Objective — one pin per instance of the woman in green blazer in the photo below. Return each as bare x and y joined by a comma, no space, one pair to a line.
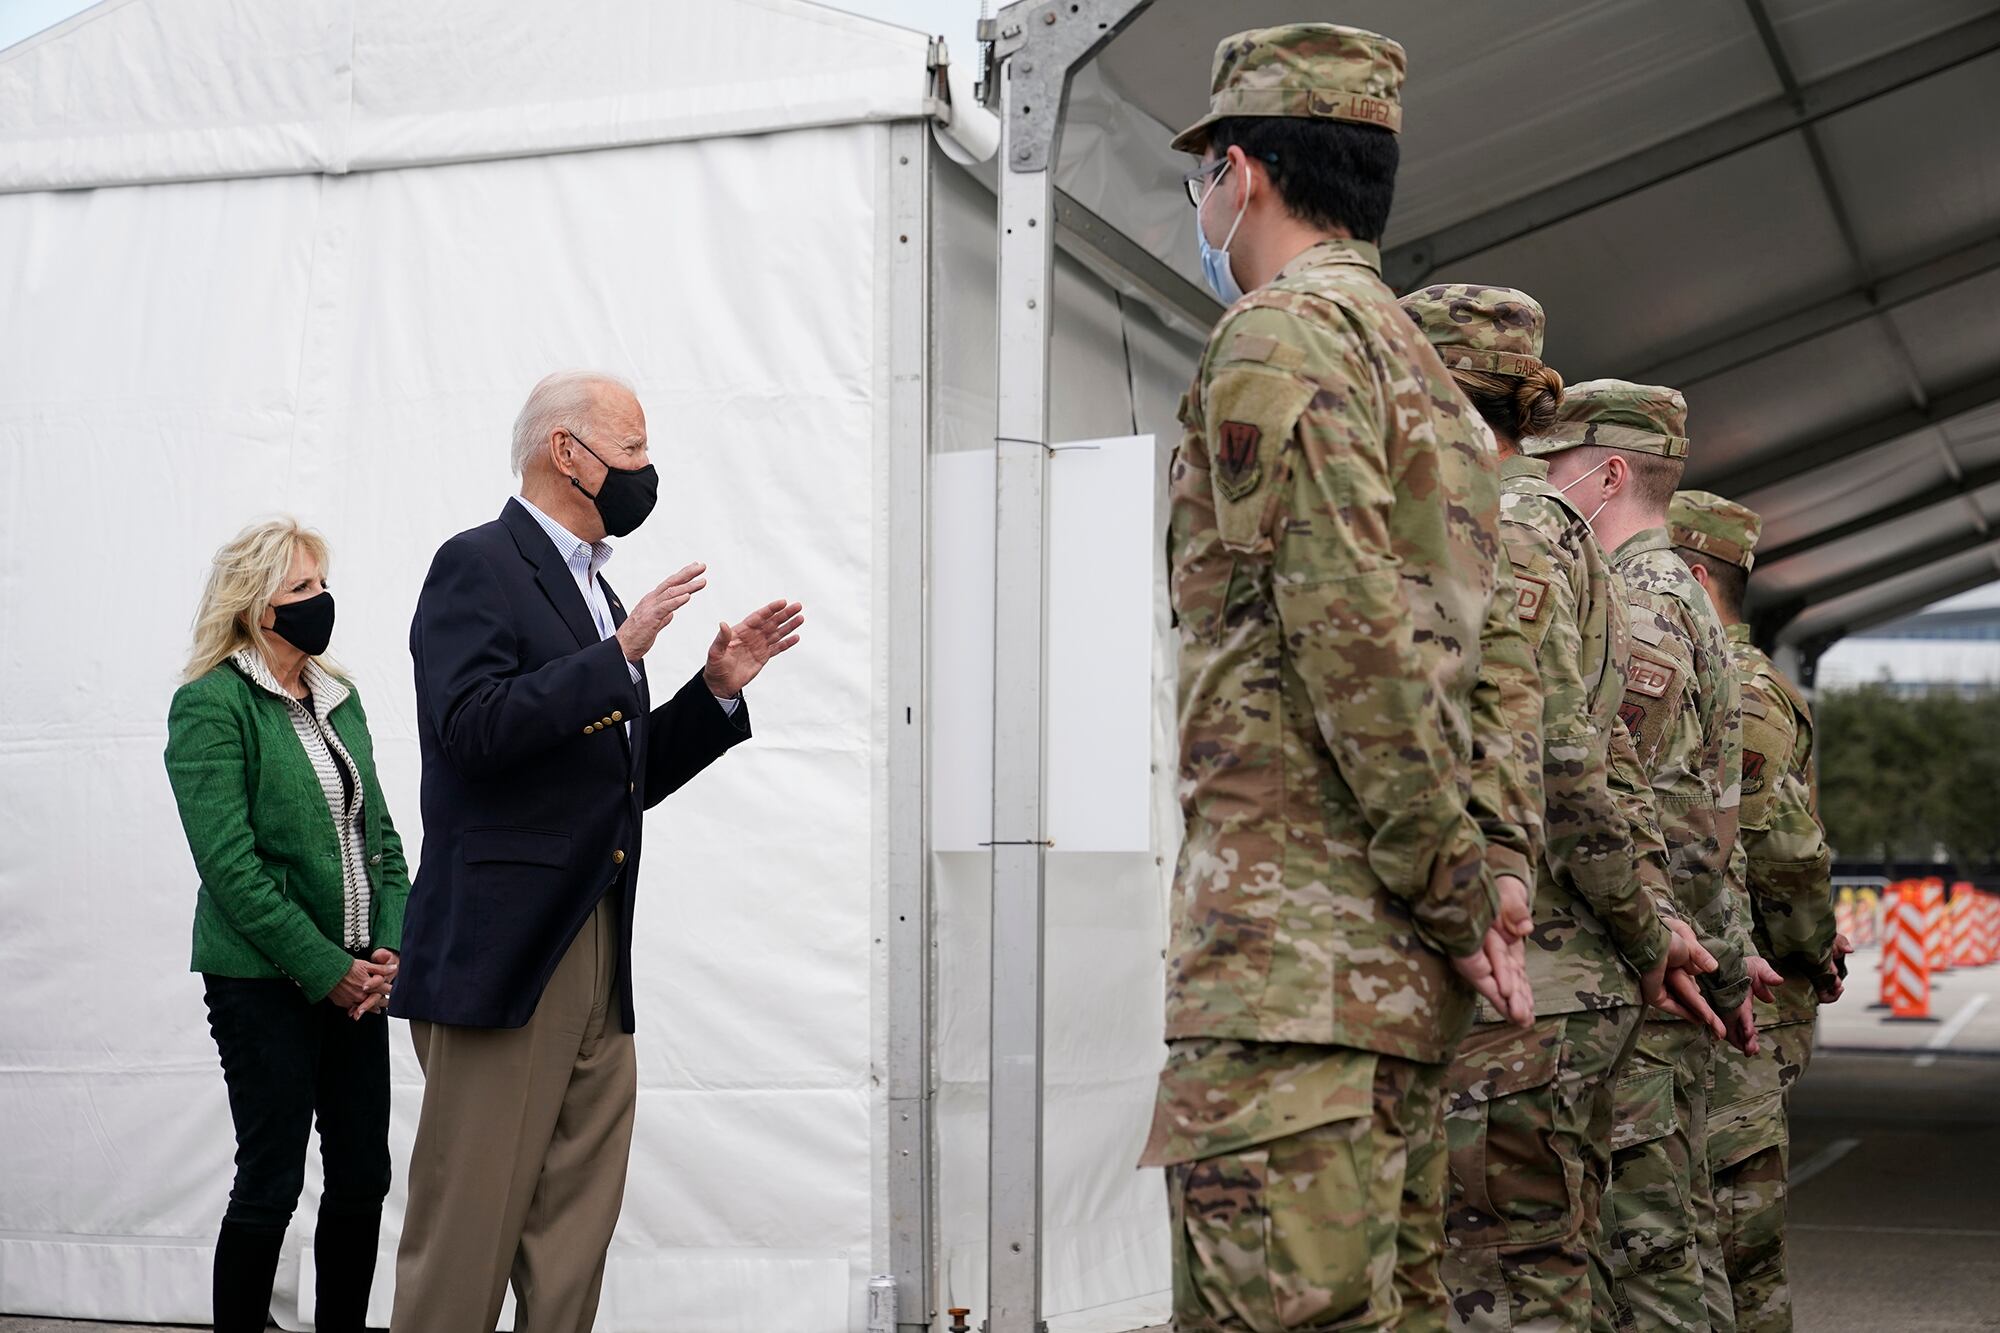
298,920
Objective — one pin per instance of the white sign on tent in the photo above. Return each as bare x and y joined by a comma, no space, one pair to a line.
1100,646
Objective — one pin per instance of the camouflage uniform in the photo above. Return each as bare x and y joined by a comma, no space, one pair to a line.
1333,543
1681,709
1529,1113
1783,857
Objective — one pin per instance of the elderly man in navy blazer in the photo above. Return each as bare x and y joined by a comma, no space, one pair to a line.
542,748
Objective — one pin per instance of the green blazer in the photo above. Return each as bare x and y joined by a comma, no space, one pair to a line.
272,896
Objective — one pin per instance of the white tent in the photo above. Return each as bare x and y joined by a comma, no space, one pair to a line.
309,257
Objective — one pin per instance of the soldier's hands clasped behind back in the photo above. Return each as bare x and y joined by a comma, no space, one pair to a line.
1672,986
1499,971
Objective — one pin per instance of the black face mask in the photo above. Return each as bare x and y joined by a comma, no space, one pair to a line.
625,496
307,625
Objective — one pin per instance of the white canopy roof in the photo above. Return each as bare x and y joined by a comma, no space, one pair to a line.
131,92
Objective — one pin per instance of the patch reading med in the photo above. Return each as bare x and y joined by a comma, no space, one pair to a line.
1530,596
1650,676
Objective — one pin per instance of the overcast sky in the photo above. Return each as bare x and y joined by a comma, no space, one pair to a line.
25,18
954,20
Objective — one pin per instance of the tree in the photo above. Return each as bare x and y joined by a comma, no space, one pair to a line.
1901,775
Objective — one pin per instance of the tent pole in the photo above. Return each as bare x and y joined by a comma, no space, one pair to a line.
1014,1127
1036,48
909,931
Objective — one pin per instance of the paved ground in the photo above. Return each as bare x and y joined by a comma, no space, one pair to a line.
1896,1220
1965,1011
1895,1227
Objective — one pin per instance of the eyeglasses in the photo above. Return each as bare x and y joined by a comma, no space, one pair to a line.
1196,182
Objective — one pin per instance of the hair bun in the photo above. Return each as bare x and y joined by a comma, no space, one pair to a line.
1537,399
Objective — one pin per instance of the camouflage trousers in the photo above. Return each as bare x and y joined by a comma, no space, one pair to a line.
1660,1191
1749,1150
1528,1119
1337,1226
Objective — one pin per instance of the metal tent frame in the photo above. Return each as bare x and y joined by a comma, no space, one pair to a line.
1036,47
1036,50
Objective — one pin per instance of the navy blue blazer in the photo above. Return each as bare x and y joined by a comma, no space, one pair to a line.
532,793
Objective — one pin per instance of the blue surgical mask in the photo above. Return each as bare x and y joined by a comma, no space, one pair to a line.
1215,269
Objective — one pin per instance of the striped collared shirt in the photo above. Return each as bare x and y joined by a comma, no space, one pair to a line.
343,798
584,559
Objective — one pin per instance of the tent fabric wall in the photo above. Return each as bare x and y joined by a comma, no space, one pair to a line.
1115,371
133,91
325,290
182,358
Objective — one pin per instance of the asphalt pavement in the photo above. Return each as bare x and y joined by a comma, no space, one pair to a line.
1896,1193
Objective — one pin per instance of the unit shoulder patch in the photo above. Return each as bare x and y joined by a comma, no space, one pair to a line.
1251,411
1236,469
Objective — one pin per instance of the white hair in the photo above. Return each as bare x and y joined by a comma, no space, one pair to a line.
560,401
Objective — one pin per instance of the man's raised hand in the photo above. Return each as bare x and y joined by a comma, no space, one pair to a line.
740,651
655,611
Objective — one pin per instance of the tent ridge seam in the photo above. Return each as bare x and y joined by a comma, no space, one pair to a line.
344,163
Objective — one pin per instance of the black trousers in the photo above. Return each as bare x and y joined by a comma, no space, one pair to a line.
288,1062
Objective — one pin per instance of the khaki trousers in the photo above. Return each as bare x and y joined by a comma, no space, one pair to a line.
519,1166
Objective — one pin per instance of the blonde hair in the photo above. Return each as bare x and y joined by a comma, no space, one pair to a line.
246,575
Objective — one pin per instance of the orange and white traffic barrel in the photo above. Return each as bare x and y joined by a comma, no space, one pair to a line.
1906,974
1867,919
1937,925
1968,942
1847,914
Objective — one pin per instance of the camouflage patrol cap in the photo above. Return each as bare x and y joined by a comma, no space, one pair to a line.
1617,414
1480,328
1704,521
1309,70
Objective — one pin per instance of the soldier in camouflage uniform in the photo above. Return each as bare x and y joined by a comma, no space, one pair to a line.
1781,853
1333,543
1619,450
1529,1113
1506,801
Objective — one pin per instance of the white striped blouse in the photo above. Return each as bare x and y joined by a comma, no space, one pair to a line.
328,756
